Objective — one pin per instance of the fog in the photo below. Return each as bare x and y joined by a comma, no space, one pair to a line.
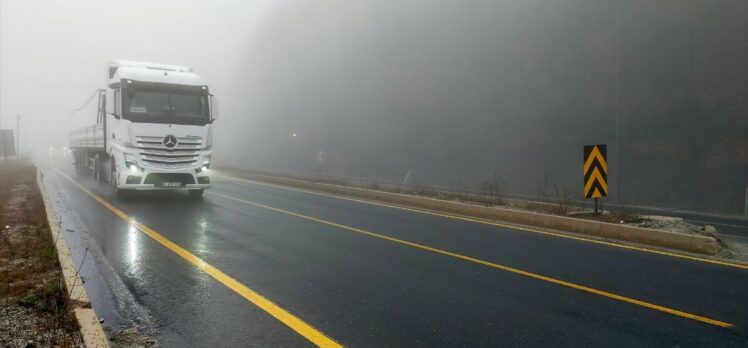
456,93
55,54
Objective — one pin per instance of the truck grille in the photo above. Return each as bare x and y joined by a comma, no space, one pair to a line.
184,155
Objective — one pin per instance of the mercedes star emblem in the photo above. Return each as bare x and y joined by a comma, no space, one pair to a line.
170,141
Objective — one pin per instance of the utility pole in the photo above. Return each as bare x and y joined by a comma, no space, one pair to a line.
18,136
1,69
618,160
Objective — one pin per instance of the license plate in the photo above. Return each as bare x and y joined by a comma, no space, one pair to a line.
171,184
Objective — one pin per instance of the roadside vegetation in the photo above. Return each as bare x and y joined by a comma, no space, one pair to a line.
33,302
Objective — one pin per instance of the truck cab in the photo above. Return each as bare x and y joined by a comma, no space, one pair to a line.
154,129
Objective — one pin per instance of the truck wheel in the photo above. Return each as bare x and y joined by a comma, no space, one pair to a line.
97,169
196,194
120,193
78,165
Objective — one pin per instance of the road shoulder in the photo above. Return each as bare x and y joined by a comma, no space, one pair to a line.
90,326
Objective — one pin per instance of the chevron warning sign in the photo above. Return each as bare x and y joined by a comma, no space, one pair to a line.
595,171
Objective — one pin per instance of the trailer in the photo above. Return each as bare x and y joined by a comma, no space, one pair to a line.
153,130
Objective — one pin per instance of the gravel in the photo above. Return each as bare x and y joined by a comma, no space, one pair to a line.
33,311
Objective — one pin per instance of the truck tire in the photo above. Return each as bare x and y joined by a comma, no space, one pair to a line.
97,169
196,194
120,193
77,162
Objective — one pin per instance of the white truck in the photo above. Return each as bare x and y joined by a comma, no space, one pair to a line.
153,130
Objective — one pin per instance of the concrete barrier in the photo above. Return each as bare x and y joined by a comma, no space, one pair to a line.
90,327
680,241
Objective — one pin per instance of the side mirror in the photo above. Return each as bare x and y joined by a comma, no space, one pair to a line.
117,104
213,108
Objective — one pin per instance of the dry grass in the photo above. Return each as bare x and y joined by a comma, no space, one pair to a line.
548,208
612,217
33,302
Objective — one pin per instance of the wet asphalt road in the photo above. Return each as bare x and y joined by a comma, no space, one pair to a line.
364,291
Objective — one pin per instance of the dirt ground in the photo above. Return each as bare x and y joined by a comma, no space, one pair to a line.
33,302
131,337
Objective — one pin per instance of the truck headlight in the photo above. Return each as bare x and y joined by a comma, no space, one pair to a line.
205,166
131,163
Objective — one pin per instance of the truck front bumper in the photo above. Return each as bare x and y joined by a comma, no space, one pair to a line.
164,180
156,187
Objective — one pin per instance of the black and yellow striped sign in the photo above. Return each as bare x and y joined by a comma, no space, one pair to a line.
595,171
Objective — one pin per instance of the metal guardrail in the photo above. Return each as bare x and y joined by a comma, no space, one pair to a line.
89,138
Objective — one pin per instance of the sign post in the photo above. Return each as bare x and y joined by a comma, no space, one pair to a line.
595,172
18,136
7,144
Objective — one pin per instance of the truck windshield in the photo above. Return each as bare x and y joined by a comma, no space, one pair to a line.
164,106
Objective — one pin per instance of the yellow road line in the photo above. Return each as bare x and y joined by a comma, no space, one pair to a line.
526,229
293,322
489,264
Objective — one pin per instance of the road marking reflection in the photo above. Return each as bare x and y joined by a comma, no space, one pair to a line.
309,332
489,264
